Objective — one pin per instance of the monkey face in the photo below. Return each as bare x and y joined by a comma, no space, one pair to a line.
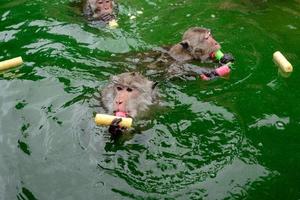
100,10
129,93
104,7
124,95
205,45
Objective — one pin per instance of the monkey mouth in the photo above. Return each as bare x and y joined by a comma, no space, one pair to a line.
121,114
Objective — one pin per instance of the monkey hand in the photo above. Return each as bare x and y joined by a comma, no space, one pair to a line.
107,17
115,129
227,58
206,76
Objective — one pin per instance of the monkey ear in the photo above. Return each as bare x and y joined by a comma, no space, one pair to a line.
154,85
185,44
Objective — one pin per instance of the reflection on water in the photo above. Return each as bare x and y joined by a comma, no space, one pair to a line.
212,140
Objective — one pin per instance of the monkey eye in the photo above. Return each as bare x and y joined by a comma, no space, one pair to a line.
119,88
129,90
207,36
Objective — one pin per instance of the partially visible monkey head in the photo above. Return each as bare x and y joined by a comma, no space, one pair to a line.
129,93
104,10
197,43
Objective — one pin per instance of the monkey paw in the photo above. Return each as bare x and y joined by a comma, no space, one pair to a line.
107,17
227,58
115,129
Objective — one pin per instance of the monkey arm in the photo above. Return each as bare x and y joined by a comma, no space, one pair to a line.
188,69
221,71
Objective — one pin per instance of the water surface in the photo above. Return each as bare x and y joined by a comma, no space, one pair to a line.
226,139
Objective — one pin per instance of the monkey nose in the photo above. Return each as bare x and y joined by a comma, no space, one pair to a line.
119,102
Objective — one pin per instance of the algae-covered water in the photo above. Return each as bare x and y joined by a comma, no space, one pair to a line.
236,138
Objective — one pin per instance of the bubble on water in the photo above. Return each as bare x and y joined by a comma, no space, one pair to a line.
4,16
132,17
280,125
291,27
212,175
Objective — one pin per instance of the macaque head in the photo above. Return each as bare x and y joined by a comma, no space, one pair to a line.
102,9
104,6
199,42
129,93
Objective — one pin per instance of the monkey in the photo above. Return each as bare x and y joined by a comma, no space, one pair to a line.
197,44
129,94
100,10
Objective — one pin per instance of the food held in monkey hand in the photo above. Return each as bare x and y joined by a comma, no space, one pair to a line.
113,24
107,120
282,62
221,57
218,72
7,64
223,70
216,55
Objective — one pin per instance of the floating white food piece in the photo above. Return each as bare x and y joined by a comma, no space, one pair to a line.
282,62
132,17
7,64
113,24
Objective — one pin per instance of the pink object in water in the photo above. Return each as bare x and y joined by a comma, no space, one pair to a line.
223,70
121,114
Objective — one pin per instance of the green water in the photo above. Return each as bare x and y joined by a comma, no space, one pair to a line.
226,139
